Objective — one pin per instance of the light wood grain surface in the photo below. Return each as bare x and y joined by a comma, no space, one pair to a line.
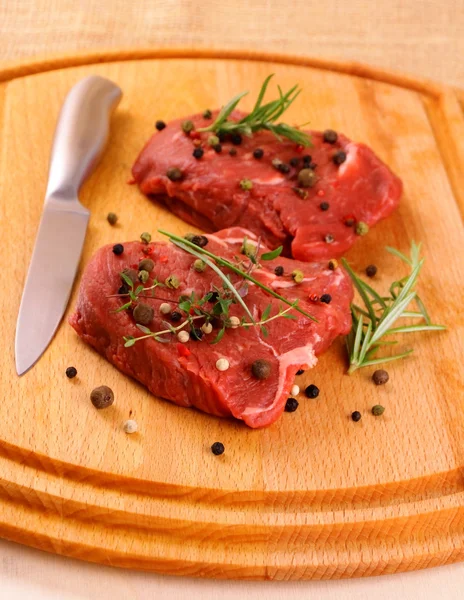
410,37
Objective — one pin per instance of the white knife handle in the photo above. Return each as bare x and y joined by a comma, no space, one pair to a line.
81,134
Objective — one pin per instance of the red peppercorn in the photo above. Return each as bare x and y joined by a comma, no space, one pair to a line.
194,135
299,148
183,350
314,298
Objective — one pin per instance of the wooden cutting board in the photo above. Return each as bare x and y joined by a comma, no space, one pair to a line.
315,495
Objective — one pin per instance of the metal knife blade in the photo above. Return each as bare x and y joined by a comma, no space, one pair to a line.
80,137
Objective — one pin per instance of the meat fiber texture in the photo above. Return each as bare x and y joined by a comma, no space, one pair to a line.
186,373
210,196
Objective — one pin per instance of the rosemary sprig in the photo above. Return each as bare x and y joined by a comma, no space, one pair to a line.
376,319
263,116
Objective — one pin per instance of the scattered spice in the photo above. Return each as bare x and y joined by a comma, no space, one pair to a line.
213,297
207,114
356,416
295,390
217,448
213,140
312,391
378,410
300,372
199,240
279,270
333,264
217,148
234,322
246,184
207,328
362,228
258,153
175,316
71,372
236,139
118,249
160,125
146,265
222,364
131,274
198,153
130,426
174,174
324,206
307,160
144,276
143,314
196,334
294,162
102,397
172,282
297,276
326,298
371,270
145,237
380,377
261,368
291,405
314,298
339,157
187,126
301,193
233,151
199,265
330,136
112,218
183,336
197,142
329,238
165,308
124,289
307,177
349,221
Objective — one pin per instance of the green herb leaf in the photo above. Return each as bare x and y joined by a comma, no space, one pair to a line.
264,331
266,312
130,341
138,290
142,328
123,307
219,336
271,255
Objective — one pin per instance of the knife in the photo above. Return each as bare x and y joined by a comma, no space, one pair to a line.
80,137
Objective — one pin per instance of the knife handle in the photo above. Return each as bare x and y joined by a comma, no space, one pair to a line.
81,134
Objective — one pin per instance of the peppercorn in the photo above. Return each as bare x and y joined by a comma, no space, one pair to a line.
234,322
213,140
324,206
217,448
118,249
300,372
222,364
380,377
279,270
246,184
361,228
187,126
371,270
197,143
207,114
71,372
326,298
199,265
314,298
233,151
102,397
307,160
301,193
329,238
356,416
213,297
165,308
258,153
307,177
146,265
130,426
175,316
123,289
349,222
196,334
160,125
131,274
248,249
297,276
330,136
145,237
333,264
261,368
294,162
172,282
339,157
198,153
312,391
283,168
174,174
236,139
217,148
143,276
291,405
207,328
112,218
378,410
183,336
143,314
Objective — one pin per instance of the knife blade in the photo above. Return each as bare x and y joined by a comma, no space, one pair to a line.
80,137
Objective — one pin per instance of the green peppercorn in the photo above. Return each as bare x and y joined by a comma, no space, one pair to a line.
199,265
300,192
143,314
102,397
213,140
361,228
378,410
131,274
112,218
146,265
307,178
187,126
145,237
172,282
297,276
248,249
174,174
261,368
207,114
143,276
246,184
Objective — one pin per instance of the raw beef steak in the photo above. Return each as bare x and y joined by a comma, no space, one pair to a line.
186,373
313,223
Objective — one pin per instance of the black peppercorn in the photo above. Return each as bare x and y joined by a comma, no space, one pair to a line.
217,148
118,249
312,391
356,416
261,368
102,397
300,372
217,448
233,151
124,289
198,153
349,222
324,206
222,136
175,316
160,125
283,168
279,270
236,139
307,158
196,334
330,136
294,162
291,405
213,297
143,314
326,298
199,240
174,174
371,270
339,157
71,372
258,153
380,377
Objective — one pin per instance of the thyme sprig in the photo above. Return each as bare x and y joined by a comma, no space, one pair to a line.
263,116
132,293
375,320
